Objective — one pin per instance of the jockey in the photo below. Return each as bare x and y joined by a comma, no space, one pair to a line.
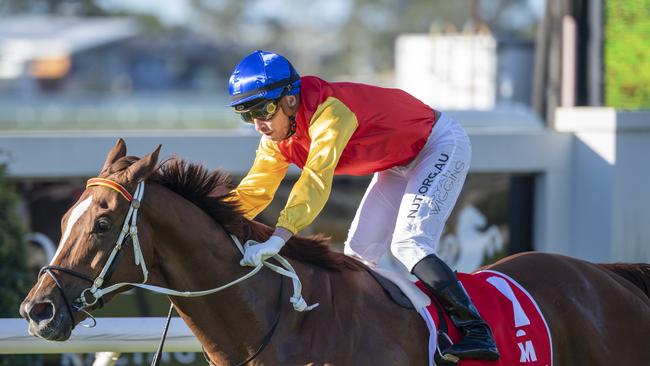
419,158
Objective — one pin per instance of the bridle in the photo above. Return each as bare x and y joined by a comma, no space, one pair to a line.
128,228
92,295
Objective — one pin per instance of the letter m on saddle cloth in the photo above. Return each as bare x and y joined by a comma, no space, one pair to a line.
520,330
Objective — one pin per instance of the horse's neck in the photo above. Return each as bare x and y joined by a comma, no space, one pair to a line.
194,253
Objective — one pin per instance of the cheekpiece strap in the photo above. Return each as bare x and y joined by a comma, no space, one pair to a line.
110,184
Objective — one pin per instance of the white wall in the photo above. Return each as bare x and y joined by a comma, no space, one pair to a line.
609,181
631,188
448,71
502,141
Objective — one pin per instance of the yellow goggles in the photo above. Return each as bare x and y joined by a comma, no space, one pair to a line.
264,110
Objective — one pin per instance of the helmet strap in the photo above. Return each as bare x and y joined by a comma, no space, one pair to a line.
292,127
291,113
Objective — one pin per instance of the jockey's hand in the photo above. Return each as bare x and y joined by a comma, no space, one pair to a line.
255,253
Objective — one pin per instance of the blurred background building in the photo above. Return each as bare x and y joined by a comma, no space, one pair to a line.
554,94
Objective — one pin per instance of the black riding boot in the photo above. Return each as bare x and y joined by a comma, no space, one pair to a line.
478,341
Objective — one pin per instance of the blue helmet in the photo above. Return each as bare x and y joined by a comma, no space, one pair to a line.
262,75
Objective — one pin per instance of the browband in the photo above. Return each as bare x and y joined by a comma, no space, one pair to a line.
110,184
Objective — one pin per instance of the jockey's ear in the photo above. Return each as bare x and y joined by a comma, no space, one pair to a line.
118,151
292,101
289,104
142,169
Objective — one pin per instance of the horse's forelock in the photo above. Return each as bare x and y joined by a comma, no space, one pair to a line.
119,166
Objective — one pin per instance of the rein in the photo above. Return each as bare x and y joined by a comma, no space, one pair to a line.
265,340
93,294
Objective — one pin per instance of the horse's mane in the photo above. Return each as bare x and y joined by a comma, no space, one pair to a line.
210,191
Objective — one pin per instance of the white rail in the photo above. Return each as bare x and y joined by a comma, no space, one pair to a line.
123,335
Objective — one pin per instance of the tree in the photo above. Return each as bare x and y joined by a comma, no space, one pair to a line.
14,281
627,55
14,278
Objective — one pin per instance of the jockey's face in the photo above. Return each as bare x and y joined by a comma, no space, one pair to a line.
275,129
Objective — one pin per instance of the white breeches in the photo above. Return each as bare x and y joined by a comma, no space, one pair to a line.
406,207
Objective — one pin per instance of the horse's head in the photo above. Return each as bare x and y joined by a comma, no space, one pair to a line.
87,251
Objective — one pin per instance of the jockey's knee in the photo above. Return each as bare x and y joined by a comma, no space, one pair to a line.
409,252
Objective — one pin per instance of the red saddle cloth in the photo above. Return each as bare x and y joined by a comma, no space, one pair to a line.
519,327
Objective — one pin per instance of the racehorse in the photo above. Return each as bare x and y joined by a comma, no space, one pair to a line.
597,314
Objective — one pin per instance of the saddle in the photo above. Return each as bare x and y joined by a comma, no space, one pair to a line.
519,327
402,291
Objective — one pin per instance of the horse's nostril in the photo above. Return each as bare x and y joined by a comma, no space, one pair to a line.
23,311
41,311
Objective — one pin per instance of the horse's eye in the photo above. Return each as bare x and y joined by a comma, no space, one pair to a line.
102,225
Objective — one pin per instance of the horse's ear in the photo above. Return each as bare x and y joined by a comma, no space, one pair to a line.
142,169
118,151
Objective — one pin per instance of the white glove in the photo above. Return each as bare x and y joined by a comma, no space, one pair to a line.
255,253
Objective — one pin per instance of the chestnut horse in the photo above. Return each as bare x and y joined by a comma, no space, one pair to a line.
597,314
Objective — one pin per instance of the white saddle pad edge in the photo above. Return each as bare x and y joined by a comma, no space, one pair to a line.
419,299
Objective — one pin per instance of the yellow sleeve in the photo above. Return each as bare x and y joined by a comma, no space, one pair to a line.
258,187
330,129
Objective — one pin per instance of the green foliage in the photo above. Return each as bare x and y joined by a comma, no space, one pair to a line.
627,54
14,281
